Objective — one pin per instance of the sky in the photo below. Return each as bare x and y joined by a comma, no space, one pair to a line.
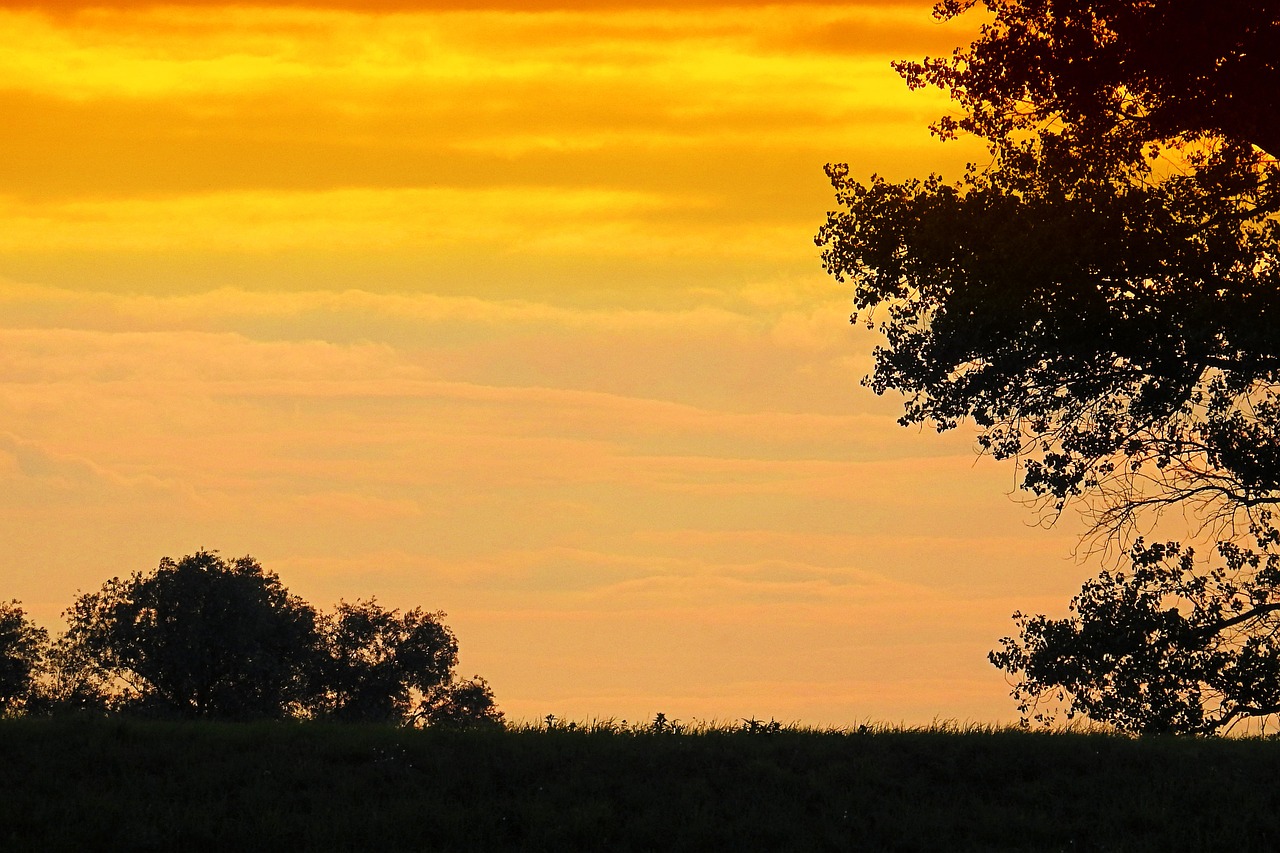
506,309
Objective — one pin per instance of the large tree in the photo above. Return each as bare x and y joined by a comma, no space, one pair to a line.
202,636
1102,299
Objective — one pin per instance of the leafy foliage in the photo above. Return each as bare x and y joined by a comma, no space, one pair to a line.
382,662
1097,316
200,637
1117,74
461,704
1101,301
206,637
23,646
1160,648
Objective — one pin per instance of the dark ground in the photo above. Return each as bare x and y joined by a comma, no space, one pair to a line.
93,784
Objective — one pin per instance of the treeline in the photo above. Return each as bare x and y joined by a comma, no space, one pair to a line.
207,637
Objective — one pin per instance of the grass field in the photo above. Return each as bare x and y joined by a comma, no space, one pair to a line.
94,784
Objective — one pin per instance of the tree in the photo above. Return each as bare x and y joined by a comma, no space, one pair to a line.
381,662
1106,317
1161,648
199,637
1101,301
1114,73
23,646
207,637
461,704
387,666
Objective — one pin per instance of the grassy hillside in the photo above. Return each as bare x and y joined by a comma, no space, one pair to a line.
95,785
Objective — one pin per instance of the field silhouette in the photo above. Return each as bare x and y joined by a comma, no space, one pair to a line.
93,783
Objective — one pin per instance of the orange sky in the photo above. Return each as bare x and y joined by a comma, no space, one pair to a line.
506,309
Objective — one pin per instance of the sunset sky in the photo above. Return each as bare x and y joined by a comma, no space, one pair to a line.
507,309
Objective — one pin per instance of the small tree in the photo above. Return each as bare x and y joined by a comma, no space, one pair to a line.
199,637
23,647
462,704
381,662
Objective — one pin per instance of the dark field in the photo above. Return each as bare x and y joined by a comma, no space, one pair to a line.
115,785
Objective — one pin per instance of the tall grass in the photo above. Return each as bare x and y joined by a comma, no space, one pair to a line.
97,784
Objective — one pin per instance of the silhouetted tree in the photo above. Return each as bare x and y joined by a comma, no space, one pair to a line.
1114,75
23,646
1102,300
200,637
1107,318
461,704
208,637
1161,647
382,662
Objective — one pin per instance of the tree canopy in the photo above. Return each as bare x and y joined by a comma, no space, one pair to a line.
203,636
22,650
1159,646
384,665
209,637
1102,299
1116,73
